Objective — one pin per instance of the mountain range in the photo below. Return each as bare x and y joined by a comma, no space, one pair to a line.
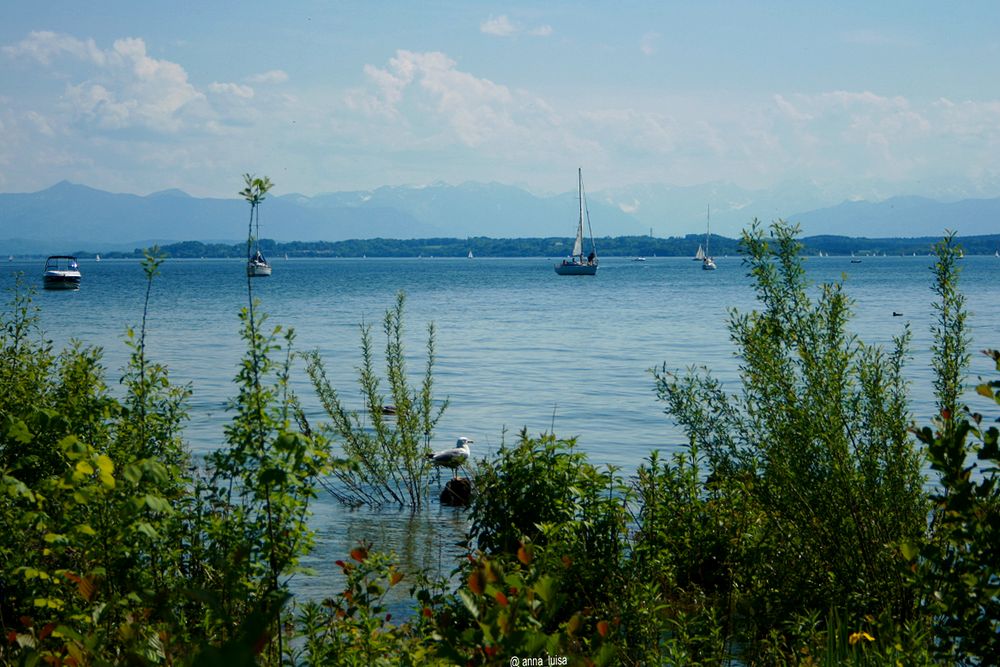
70,217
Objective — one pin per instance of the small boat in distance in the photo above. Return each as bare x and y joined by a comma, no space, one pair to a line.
576,264
255,191
257,266
470,255
61,272
700,255
97,258
707,263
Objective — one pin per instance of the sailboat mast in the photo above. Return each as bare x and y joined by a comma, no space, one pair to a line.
708,229
579,234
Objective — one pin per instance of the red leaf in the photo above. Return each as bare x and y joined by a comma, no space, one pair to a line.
476,583
523,555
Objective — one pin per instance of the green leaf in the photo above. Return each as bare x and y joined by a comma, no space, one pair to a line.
132,473
147,530
910,550
156,503
17,430
469,603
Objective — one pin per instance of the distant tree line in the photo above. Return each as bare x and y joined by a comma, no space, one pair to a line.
619,246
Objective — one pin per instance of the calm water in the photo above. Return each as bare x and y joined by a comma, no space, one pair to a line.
517,345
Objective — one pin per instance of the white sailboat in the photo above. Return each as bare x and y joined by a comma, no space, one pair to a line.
707,263
577,264
254,193
700,255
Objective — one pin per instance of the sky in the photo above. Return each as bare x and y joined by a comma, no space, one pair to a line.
859,99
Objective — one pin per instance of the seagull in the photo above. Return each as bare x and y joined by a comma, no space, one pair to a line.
452,458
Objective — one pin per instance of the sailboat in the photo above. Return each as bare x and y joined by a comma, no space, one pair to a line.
257,266
577,264
700,255
707,263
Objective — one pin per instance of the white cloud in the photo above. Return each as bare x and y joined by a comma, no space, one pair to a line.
789,110
123,87
499,26
233,89
44,47
502,26
474,108
271,77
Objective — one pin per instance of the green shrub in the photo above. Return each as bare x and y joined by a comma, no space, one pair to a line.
956,569
813,446
386,461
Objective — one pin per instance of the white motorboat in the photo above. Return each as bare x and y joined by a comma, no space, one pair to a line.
61,272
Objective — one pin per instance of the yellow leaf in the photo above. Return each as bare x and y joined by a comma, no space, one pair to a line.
106,465
84,468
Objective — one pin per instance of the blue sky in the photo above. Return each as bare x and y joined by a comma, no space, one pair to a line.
857,99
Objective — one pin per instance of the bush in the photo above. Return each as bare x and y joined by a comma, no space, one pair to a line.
386,462
814,448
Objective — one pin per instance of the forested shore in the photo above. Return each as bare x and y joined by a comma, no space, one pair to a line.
620,246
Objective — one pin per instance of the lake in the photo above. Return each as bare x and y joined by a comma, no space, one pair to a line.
517,346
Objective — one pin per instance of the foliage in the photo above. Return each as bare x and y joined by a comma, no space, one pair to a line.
355,627
87,483
386,462
814,448
957,568
113,551
780,536
548,523
680,583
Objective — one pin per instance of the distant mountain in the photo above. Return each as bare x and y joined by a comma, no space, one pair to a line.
909,216
68,217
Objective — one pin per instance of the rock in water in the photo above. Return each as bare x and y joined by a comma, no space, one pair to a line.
457,492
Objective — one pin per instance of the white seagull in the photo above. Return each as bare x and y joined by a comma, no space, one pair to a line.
452,458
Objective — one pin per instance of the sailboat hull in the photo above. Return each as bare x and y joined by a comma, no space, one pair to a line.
575,269
256,270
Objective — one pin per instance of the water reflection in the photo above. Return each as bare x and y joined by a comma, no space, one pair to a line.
427,540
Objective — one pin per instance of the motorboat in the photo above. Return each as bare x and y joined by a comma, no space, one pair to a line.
61,272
